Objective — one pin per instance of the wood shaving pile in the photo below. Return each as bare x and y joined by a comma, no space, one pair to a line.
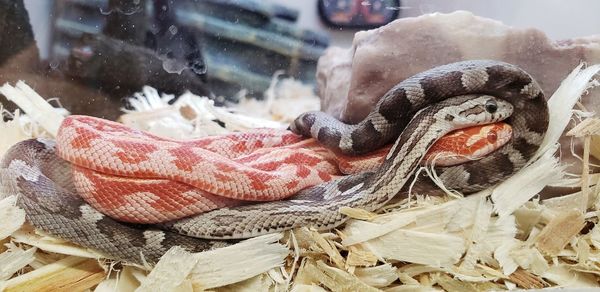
498,239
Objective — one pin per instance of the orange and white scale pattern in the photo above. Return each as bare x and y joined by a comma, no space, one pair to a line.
134,176
468,144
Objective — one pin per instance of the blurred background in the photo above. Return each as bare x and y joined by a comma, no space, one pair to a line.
559,19
92,53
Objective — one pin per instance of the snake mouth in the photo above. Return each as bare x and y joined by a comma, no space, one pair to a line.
468,144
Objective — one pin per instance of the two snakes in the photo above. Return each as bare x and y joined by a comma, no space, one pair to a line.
411,117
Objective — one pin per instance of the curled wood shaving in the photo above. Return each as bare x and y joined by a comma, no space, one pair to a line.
527,280
238,262
525,184
183,271
565,277
503,255
331,278
563,100
34,105
71,273
359,256
307,288
12,131
451,284
530,259
453,215
329,248
14,259
11,216
594,237
259,283
566,203
171,272
587,127
52,244
476,242
165,122
278,98
360,214
379,276
127,279
559,231
435,249
527,216
501,230
148,100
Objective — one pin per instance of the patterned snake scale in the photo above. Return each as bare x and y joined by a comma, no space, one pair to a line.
414,114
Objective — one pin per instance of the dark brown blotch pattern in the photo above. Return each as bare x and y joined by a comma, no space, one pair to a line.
366,138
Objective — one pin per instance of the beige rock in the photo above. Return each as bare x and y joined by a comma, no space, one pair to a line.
334,71
352,80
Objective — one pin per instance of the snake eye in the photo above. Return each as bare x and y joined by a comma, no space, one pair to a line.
491,106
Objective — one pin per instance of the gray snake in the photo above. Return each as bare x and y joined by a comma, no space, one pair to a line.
414,113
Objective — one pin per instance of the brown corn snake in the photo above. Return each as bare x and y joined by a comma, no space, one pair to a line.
415,113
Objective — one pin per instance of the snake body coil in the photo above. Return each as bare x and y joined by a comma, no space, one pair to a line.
416,112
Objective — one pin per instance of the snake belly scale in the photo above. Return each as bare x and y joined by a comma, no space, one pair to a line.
415,113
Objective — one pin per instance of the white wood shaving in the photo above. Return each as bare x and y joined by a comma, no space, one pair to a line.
425,243
14,259
238,262
11,216
565,97
379,276
512,193
171,272
52,244
34,105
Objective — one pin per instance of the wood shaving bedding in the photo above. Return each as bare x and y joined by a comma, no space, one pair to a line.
501,239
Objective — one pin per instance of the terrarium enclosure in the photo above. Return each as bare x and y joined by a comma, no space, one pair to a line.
347,145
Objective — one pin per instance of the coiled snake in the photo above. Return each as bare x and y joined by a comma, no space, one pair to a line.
415,113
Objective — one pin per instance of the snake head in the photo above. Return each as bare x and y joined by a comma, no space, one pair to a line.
470,110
